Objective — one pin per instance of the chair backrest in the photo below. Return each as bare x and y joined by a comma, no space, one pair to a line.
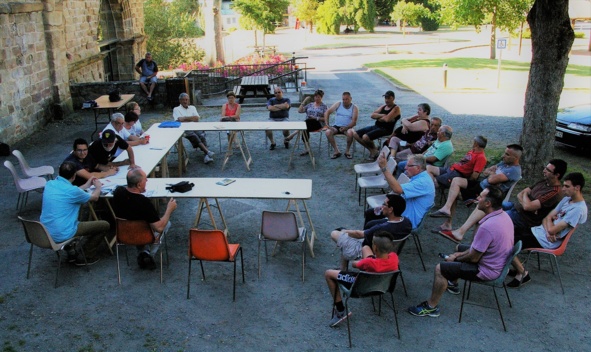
371,284
422,222
15,175
508,195
399,244
21,159
210,245
499,281
403,178
391,165
279,226
134,232
562,248
37,234
385,150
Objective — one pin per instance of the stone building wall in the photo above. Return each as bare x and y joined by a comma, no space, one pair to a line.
45,45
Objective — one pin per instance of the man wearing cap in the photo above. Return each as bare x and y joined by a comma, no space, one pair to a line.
86,166
118,124
188,113
278,107
103,150
148,70
346,119
385,118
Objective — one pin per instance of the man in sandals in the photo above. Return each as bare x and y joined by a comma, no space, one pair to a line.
346,119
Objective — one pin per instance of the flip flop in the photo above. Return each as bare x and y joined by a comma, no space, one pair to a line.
348,156
439,214
437,229
447,234
336,155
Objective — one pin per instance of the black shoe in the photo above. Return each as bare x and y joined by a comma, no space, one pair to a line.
518,283
272,147
286,144
141,259
89,261
147,261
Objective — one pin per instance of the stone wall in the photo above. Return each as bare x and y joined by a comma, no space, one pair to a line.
47,44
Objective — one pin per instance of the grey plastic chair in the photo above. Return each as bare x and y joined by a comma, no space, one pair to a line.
281,227
371,285
496,283
37,235
45,171
24,185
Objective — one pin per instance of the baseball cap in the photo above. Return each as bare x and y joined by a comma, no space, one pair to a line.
389,94
108,136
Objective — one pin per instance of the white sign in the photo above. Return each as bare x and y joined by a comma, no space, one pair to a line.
502,43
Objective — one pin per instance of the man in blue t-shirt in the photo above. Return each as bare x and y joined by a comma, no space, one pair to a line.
278,111
148,69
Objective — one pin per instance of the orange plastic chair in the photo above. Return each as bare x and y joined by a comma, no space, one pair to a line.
136,233
212,245
554,253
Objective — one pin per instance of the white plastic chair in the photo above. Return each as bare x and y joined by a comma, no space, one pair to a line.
375,181
378,200
24,185
45,171
369,168
511,190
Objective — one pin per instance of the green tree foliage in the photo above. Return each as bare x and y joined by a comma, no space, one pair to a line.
384,8
409,13
329,18
170,30
431,22
306,10
506,15
261,14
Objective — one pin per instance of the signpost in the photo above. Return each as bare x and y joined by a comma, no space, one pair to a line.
501,44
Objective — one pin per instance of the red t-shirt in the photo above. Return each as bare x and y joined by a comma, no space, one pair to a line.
378,265
471,162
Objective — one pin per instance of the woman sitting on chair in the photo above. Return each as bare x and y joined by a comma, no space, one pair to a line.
412,129
314,117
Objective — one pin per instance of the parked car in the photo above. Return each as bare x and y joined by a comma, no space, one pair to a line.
573,127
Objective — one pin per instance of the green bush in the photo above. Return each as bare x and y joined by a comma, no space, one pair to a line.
429,24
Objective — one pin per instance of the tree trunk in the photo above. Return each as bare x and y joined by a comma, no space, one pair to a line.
552,38
217,26
493,36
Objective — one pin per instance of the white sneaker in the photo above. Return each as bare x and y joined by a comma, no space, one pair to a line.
210,154
207,159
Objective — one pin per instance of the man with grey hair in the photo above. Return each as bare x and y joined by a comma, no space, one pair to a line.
117,125
419,192
188,113
438,152
129,203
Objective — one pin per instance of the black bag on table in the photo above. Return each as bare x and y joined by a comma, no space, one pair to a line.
181,187
114,95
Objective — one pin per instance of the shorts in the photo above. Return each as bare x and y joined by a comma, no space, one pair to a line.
472,191
347,278
350,247
373,132
144,79
278,119
459,270
337,129
446,176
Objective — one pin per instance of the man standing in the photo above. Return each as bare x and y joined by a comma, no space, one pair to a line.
278,107
385,118
346,118
59,212
86,167
103,151
188,113
504,175
570,212
129,203
533,203
148,70
483,260
419,192
351,242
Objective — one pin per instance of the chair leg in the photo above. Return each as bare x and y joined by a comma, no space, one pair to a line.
234,283
507,294
259,258
395,313
202,271
161,268
558,271
499,308
189,278
403,284
242,265
30,259
417,241
348,323
303,258
59,264
118,268
463,299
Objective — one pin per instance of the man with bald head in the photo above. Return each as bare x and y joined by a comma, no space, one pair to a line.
129,203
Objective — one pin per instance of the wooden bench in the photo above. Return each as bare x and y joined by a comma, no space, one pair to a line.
237,90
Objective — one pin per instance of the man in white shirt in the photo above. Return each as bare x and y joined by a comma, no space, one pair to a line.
188,113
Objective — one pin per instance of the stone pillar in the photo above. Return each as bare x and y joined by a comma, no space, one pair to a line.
56,56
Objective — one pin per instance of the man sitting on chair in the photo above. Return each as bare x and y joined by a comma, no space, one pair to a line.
130,204
59,213
570,212
346,118
188,113
483,260
351,242
533,203
378,257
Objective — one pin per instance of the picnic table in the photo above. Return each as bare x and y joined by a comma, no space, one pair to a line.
106,107
255,84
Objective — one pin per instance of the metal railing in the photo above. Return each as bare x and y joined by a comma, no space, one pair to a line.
220,80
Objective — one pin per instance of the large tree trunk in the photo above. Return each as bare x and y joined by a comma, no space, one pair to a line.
552,38
493,36
217,25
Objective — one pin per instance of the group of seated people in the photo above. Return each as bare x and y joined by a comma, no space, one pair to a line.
540,218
